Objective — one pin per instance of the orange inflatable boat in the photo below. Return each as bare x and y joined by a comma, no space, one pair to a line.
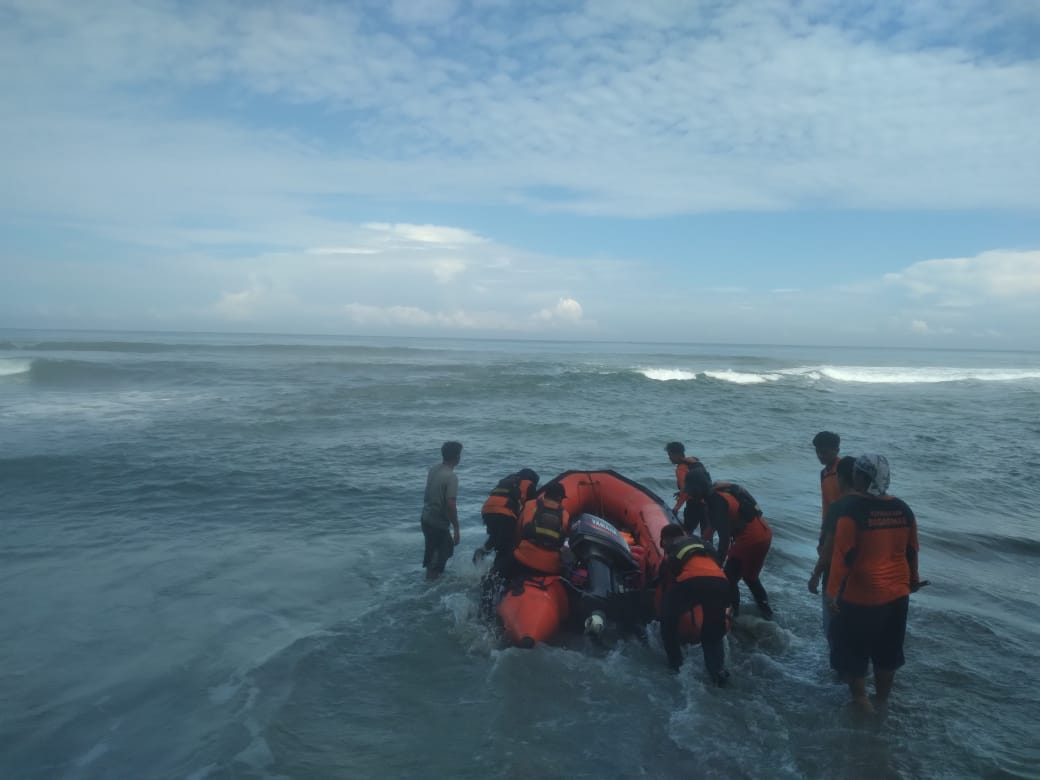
611,568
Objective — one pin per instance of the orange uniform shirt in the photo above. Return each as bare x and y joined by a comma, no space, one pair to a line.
875,551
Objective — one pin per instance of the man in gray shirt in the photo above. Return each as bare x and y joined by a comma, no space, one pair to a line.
440,517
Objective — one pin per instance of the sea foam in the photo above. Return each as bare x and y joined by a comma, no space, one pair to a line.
667,374
741,377
907,375
14,366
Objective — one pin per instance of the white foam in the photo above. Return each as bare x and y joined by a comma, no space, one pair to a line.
14,366
741,378
931,375
667,374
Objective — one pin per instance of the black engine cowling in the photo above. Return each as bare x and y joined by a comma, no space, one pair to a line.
607,558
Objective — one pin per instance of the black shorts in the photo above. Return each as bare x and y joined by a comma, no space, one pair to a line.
861,634
501,532
439,547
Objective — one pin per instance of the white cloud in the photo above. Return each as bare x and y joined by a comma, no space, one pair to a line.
566,310
622,108
446,270
257,301
406,316
964,281
426,234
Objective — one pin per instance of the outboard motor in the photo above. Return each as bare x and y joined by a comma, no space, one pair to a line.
607,558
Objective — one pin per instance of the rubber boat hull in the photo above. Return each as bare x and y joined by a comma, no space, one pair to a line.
534,609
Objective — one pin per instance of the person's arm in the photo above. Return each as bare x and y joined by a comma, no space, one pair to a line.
826,551
911,554
451,507
825,548
680,495
844,545
453,516
718,516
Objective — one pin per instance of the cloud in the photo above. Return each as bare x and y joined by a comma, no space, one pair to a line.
630,109
566,310
406,316
999,275
257,301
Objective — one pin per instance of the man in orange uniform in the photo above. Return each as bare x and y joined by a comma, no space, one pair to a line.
873,572
828,445
744,535
694,578
543,529
694,513
825,546
501,515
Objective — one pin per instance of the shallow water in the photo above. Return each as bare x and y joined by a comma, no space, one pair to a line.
210,565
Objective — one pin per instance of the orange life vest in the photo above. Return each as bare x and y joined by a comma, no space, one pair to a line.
742,507
688,557
542,534
507,497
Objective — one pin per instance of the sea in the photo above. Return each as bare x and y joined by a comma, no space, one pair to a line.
210,559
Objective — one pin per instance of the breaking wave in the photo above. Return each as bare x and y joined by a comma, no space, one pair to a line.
14,366
894,375
899,375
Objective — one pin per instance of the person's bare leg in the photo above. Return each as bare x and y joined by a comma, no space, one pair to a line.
883,679
858,689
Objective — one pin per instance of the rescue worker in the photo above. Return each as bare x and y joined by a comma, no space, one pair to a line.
543,529
694,516
744,535
692,577
873,572
828,445
501,515
825,547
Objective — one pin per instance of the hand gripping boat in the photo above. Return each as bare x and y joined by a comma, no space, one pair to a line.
614,539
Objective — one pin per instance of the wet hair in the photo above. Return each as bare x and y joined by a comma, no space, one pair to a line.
555,491
844,469
675,446
671,531
528,474
827,440
451,450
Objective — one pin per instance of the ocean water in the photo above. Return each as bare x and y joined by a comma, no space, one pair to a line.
210,559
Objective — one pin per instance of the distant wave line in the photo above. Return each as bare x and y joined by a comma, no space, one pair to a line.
853,374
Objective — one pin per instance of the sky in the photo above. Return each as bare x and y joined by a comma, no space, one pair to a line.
828,172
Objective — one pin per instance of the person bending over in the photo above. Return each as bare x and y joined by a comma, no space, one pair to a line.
744,535
693,577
